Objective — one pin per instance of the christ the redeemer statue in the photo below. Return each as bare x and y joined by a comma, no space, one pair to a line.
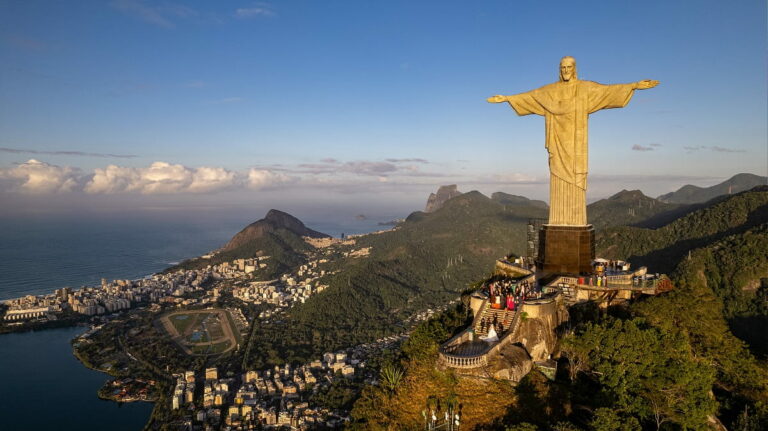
566,106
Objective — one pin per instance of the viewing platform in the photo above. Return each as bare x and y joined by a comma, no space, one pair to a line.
517,293
472,348
616,285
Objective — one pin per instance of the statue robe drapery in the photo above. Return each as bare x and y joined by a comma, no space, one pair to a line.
566,107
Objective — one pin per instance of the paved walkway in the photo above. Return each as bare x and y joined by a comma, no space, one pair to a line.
470,348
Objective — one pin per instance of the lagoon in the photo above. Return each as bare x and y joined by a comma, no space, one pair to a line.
45,387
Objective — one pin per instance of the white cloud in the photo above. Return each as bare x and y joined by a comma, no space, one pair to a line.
65,153
34,176
263,178
715,148
146,13
638,147
260,9
165,178
358,167
112,179
162,15
725,150
211,179
411,160
160,178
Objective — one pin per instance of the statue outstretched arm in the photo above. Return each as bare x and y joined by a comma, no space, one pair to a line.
646,84
603,96
523,103
496,99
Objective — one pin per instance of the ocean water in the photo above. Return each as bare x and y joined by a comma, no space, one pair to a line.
43,385
40,254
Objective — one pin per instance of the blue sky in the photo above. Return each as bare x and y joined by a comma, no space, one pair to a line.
368,106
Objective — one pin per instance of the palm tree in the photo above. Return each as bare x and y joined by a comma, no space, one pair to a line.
390,376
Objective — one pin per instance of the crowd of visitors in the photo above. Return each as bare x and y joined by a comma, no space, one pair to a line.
504,294
507,293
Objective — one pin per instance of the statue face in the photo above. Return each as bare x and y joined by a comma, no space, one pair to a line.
567,69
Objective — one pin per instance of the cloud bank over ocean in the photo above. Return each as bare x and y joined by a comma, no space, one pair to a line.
161,177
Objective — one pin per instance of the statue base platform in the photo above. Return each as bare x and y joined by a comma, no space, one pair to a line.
566,249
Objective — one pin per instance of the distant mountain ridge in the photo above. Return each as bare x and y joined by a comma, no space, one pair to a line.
427,261
507,199
431,257
627,207
690,194
662,248
720,245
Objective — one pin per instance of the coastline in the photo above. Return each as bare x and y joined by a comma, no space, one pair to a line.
41,371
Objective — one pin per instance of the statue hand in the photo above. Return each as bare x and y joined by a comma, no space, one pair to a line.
496,99
646,84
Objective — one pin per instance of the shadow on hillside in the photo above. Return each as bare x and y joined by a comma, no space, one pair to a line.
666,259
751,330
538,401
662,219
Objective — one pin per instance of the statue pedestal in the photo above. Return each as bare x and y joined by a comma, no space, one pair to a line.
566,249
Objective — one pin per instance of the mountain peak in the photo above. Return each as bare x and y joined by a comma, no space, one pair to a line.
625,195
273,221
281,217
437,200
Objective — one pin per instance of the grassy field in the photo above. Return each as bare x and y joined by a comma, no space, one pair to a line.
184,321
235,332
197,337
201,332
213,325
210,349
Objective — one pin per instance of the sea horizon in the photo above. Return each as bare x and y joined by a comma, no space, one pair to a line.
45,252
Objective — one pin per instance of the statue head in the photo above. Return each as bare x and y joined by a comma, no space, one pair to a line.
568,69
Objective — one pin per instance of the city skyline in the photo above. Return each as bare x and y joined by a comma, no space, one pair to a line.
131,103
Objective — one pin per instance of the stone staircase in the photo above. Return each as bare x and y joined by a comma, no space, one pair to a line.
501,315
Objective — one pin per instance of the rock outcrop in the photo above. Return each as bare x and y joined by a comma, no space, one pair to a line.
511,363
437,200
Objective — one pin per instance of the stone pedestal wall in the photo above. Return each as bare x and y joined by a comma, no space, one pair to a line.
566,249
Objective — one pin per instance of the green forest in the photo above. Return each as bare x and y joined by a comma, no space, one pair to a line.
670,362
682,360
427,261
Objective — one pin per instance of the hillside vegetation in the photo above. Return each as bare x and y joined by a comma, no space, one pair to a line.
661,249
278,235
669,362
665,363
628,208
426,262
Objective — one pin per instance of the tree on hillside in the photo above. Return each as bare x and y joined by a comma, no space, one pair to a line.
645,373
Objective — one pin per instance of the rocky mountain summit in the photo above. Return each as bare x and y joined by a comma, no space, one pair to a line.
437,200
275,220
